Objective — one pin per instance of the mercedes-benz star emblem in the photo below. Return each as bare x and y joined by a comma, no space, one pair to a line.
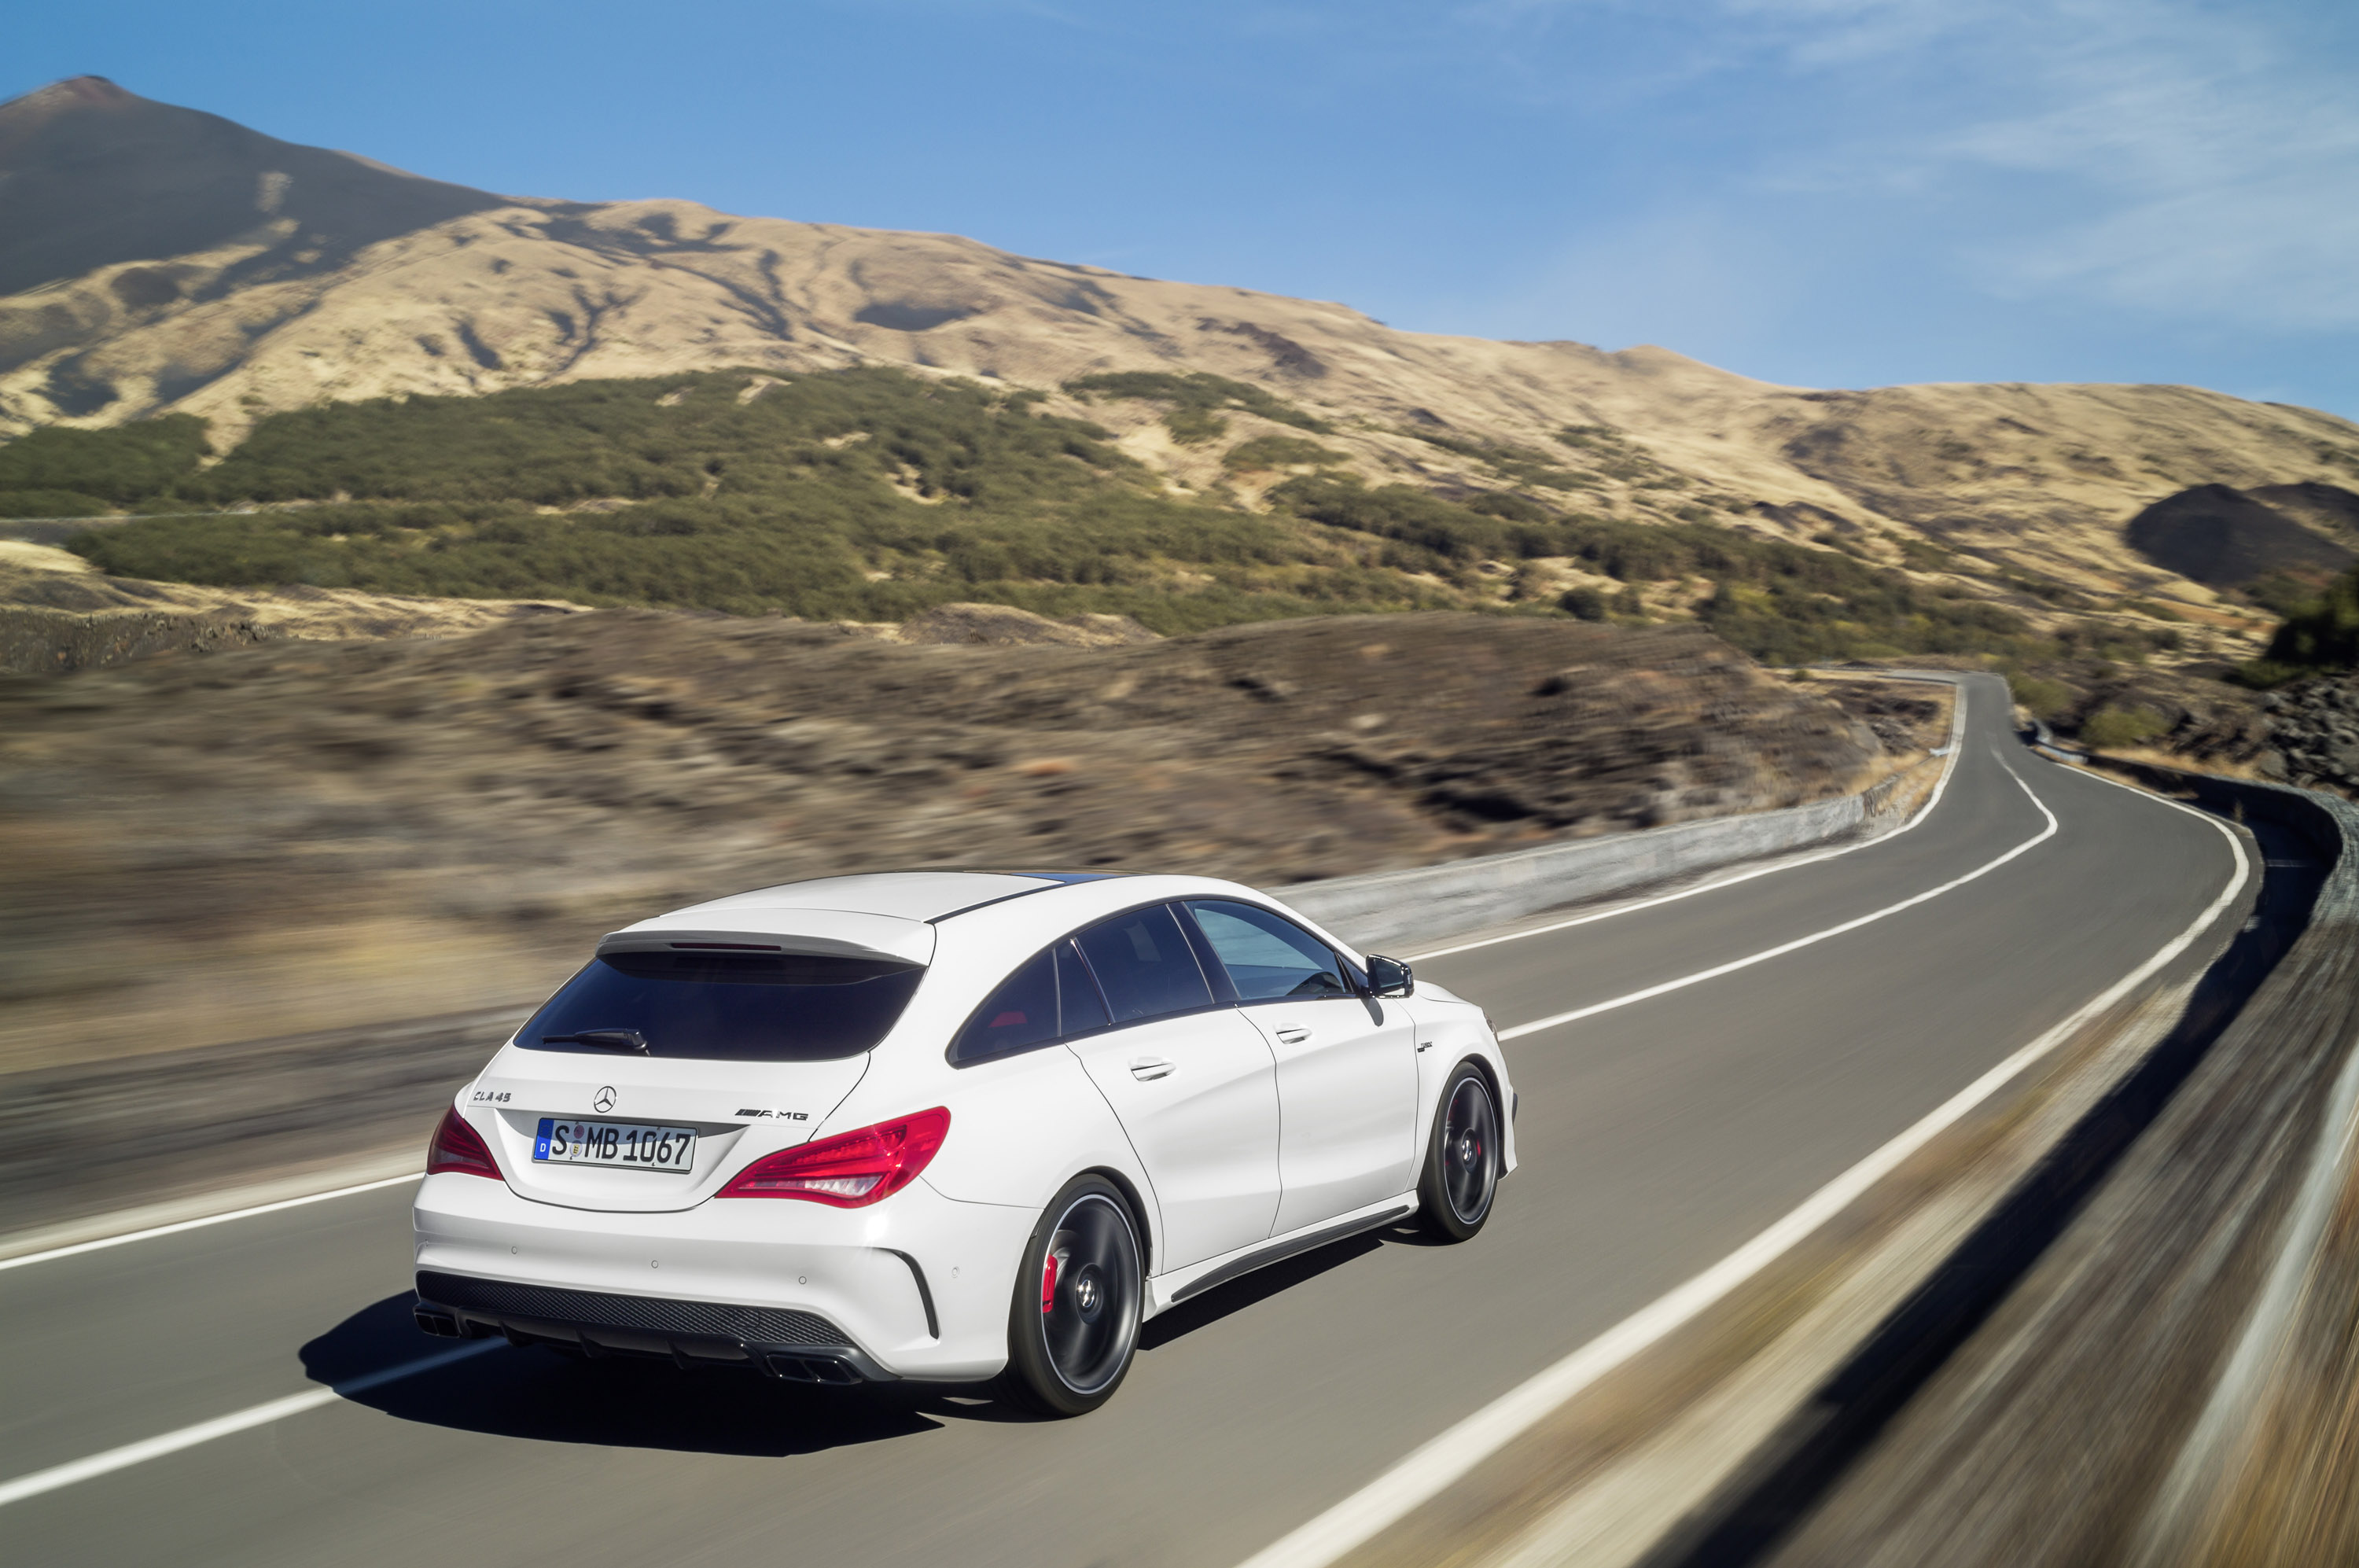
603,1099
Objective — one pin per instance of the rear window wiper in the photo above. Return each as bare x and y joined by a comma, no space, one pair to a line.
604,1040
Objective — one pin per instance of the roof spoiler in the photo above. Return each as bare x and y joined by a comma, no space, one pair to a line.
837,933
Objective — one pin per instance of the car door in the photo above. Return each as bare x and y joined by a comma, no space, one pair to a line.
1346,1063
1193,1083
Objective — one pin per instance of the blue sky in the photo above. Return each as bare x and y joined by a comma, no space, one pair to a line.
1825,192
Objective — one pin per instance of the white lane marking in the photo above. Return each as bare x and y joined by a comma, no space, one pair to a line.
1951,752
199,1224
1432,1467
131,1453
1730,967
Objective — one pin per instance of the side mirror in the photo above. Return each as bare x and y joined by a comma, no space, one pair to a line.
1389,977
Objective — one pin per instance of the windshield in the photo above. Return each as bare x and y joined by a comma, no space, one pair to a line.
733,1007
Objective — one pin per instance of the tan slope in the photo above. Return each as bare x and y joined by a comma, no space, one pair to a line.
2043,476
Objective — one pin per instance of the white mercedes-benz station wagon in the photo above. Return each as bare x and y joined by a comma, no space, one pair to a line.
950,1126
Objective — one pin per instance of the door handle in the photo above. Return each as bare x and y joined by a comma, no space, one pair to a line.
1294,1036
1146,1068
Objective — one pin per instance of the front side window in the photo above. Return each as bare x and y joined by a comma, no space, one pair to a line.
1145,966
1267,955
729,1007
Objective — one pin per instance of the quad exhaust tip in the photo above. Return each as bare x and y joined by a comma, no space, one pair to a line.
812,1369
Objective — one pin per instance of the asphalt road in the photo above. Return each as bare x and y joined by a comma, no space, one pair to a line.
1657,1137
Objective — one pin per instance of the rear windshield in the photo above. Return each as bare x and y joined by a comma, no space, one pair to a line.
731,1006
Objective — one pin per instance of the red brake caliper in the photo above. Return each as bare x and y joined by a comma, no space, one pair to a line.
1048,1283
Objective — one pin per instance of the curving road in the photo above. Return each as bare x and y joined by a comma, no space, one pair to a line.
1658,1136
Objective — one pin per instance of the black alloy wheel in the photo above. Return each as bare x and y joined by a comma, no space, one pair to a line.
1462,1168
1074,1326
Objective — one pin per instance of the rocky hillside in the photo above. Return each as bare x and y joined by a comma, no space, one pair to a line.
277,276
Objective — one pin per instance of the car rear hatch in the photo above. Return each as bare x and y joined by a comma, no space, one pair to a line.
678,1056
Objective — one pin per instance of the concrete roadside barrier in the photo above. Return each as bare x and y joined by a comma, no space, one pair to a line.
1425,903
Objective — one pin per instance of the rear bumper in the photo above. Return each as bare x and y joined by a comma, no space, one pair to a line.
799,1346
917,1286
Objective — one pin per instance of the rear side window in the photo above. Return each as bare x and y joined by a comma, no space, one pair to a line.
1022,1012
728,1006
1143,965
1049,997
1267,955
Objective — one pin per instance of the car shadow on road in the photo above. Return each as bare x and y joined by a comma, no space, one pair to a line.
1258,1285
624,1403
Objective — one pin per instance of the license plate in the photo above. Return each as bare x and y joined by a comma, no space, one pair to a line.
635,1145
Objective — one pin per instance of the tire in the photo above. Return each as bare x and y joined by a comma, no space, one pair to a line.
1073,1328
1461,1163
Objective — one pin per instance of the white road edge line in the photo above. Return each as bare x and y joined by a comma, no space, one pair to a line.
131,1453
1730,967
1432,1467
1950,751
202,1221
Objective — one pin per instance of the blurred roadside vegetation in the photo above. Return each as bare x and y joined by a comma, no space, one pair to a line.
874,495
2318,633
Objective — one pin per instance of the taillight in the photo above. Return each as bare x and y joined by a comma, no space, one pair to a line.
851,1169
460,1150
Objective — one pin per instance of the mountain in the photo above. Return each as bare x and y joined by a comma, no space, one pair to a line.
167,261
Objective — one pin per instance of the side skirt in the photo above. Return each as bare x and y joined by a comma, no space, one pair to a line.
1175,1287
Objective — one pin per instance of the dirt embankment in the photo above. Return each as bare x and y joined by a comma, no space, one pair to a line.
298,837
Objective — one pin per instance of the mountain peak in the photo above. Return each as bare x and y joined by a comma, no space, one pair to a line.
91,176
73,92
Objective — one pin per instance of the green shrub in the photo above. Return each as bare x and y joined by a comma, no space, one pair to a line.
1264,452
51,504
1519,464
1515,509
2323,635
2286,592
1195,427
1200,391
1443,530
1583,604
2262,674
2042,699
118,465
1919,556
2111,727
